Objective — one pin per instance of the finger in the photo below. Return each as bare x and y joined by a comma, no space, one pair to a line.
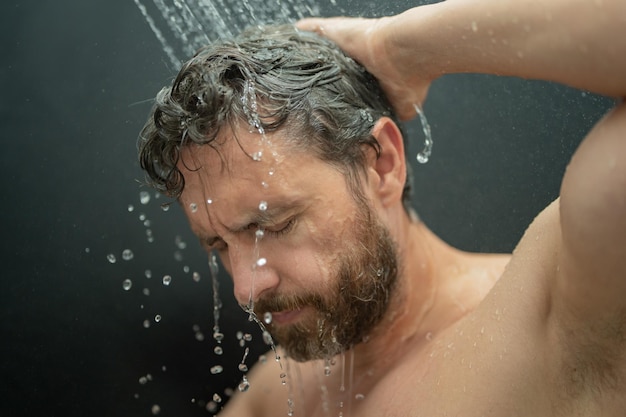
311,24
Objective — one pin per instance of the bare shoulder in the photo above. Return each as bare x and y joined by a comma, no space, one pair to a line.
589,294
591,283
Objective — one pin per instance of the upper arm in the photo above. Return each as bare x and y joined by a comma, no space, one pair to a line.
591,281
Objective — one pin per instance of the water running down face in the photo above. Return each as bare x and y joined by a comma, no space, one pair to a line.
345,313
331,263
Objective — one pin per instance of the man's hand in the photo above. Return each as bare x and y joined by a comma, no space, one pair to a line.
371,43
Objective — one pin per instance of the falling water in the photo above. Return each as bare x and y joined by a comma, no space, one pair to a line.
217,302
183,26
424,155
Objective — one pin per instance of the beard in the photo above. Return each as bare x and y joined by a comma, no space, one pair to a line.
365,278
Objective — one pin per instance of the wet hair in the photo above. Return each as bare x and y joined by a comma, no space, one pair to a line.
269,78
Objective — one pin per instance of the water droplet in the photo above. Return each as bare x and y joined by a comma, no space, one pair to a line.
218,350
165,207
257,155
127,255
87,250
156,409
148,273
111,258
263,205
244,385
127,284
193,207
180,243
143,380
209,201
359,397
267,317
199,336
217,369
259,233
157,318
264,184
267,338
167,280
217,398
131,208
211,407
146,324
218,336
261,261
144,197
243,367
196,276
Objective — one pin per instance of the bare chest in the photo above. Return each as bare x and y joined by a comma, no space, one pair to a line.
498,366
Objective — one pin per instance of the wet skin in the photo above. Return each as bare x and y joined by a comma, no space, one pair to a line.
466,334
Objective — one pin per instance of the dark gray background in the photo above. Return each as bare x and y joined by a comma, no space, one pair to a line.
76,78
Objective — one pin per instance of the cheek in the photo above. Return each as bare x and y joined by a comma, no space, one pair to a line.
305,259
329,243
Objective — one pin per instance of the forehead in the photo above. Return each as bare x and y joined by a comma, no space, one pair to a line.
241,156
227,181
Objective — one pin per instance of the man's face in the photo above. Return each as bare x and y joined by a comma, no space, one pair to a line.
294,239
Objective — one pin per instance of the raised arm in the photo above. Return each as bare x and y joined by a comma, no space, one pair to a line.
581,43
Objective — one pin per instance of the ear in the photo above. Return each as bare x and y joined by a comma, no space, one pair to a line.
388,171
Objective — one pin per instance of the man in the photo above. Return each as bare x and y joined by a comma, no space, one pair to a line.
267,153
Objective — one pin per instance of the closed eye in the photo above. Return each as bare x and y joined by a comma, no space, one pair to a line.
281,228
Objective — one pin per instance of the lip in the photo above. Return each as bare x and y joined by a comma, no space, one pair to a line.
285,317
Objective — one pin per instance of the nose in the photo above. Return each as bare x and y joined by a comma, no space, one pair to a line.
252,274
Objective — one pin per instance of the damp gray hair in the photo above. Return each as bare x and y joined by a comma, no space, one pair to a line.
269,77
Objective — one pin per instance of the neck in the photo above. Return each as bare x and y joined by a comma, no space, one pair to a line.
428,299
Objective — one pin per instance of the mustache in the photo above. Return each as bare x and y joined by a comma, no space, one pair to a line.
284,302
